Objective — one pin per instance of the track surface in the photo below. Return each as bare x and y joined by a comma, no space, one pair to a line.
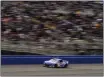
39,70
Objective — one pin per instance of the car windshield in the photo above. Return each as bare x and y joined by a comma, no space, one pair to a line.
54,59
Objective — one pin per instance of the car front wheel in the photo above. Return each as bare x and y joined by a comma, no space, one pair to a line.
66,65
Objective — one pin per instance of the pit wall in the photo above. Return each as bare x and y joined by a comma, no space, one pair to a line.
15,60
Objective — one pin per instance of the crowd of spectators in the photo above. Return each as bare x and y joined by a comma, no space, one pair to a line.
30,20
51,20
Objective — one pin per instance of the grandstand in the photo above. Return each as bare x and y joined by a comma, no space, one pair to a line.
52,27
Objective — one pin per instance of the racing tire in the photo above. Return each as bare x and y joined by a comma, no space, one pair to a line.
45,65
66,65
55,66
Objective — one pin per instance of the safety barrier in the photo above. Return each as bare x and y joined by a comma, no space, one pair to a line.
40,59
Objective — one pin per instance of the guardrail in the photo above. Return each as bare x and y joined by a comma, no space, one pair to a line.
5,60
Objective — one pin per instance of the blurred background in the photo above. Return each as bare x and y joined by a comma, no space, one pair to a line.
52,28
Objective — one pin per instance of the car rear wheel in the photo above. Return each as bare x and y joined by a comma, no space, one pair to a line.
45,65
55,65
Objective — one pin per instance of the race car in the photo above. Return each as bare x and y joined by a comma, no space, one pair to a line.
56,63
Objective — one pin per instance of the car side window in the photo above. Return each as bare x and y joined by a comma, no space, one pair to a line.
60,60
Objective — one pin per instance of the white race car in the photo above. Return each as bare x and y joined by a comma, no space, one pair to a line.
55,62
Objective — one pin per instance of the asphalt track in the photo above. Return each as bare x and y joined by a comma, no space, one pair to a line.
39,70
